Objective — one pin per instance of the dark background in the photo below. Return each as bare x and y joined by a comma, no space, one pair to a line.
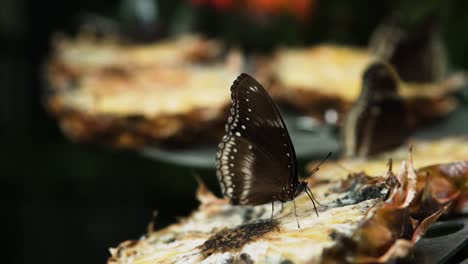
66,202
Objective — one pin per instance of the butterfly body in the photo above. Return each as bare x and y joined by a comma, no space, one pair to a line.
377,121
256,161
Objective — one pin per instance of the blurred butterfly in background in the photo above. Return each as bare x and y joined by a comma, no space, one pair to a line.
256,161
379,120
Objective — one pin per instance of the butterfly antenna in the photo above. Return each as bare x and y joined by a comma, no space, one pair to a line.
318,165
295,214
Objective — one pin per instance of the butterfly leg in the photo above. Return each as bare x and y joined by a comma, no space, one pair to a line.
272,209
312,199
295,214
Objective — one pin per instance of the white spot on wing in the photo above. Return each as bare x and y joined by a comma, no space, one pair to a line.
247,170
224,167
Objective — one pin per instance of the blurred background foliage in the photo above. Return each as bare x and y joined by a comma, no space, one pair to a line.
67,202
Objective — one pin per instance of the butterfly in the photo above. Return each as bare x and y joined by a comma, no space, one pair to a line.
378,120
256,161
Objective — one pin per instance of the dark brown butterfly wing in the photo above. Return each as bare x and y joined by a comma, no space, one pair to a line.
256,158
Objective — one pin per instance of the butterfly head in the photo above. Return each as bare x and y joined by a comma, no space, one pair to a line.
300,188
379,80
292,191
